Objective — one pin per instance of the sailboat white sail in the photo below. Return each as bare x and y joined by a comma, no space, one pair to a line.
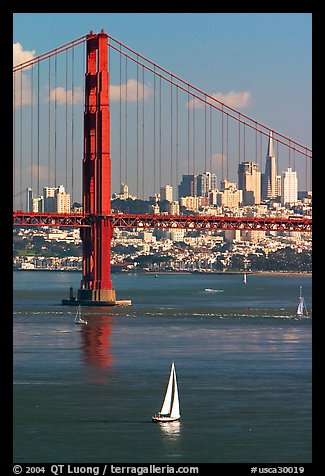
78,318
170,407
244,278
302,308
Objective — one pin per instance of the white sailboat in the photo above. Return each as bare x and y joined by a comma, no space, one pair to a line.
302,308
78,319
170,407
244,278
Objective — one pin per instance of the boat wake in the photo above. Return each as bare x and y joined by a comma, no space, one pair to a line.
209,290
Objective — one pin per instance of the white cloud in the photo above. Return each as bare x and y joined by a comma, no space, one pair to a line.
64,96
234,99
21,89
135,91
20,55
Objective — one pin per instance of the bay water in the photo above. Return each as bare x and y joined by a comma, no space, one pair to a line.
86,393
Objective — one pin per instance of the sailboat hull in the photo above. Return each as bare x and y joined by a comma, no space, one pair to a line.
164,418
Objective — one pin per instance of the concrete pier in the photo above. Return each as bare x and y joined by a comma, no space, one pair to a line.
97,297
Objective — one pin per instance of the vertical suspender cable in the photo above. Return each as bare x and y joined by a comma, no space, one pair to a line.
137,131
277,156
222,172
306,172
177,171
66,121
160,119
239,140
49,128
72,129
193,137
205,135
120,111
261,166
210,138
126,120
244,145
38,130
154,131
171,130
256,143
31,129
21,141
188,131
143,188
227,150
256,162
55,117
14,142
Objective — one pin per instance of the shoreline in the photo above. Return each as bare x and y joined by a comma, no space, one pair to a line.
293,274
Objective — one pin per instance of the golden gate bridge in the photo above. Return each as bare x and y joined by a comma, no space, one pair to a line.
175,133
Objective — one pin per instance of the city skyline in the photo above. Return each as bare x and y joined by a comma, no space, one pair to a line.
241,90
288,191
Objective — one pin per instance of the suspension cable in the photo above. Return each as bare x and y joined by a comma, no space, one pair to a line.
210,99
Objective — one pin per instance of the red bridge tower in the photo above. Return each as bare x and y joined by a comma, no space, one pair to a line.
96,284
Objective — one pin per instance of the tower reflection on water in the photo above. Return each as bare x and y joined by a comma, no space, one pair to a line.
95,341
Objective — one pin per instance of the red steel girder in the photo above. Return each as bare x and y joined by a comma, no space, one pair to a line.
191,222
201,222
50,219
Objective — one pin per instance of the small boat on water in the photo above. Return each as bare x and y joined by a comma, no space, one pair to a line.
170,407
78,319
302,308
245,278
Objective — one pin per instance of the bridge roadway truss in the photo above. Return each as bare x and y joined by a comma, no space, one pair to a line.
188,222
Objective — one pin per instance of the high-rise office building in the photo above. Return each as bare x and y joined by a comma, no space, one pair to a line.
166,193
29,199
49,199
204,183
249,181
269,188
187,187
289,187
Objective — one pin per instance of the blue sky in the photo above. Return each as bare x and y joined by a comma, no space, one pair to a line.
268,55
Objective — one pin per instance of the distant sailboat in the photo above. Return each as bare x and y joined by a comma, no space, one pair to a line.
301,309
170,406
244,278
78,319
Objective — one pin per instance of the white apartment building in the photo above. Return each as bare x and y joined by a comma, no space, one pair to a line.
289,187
